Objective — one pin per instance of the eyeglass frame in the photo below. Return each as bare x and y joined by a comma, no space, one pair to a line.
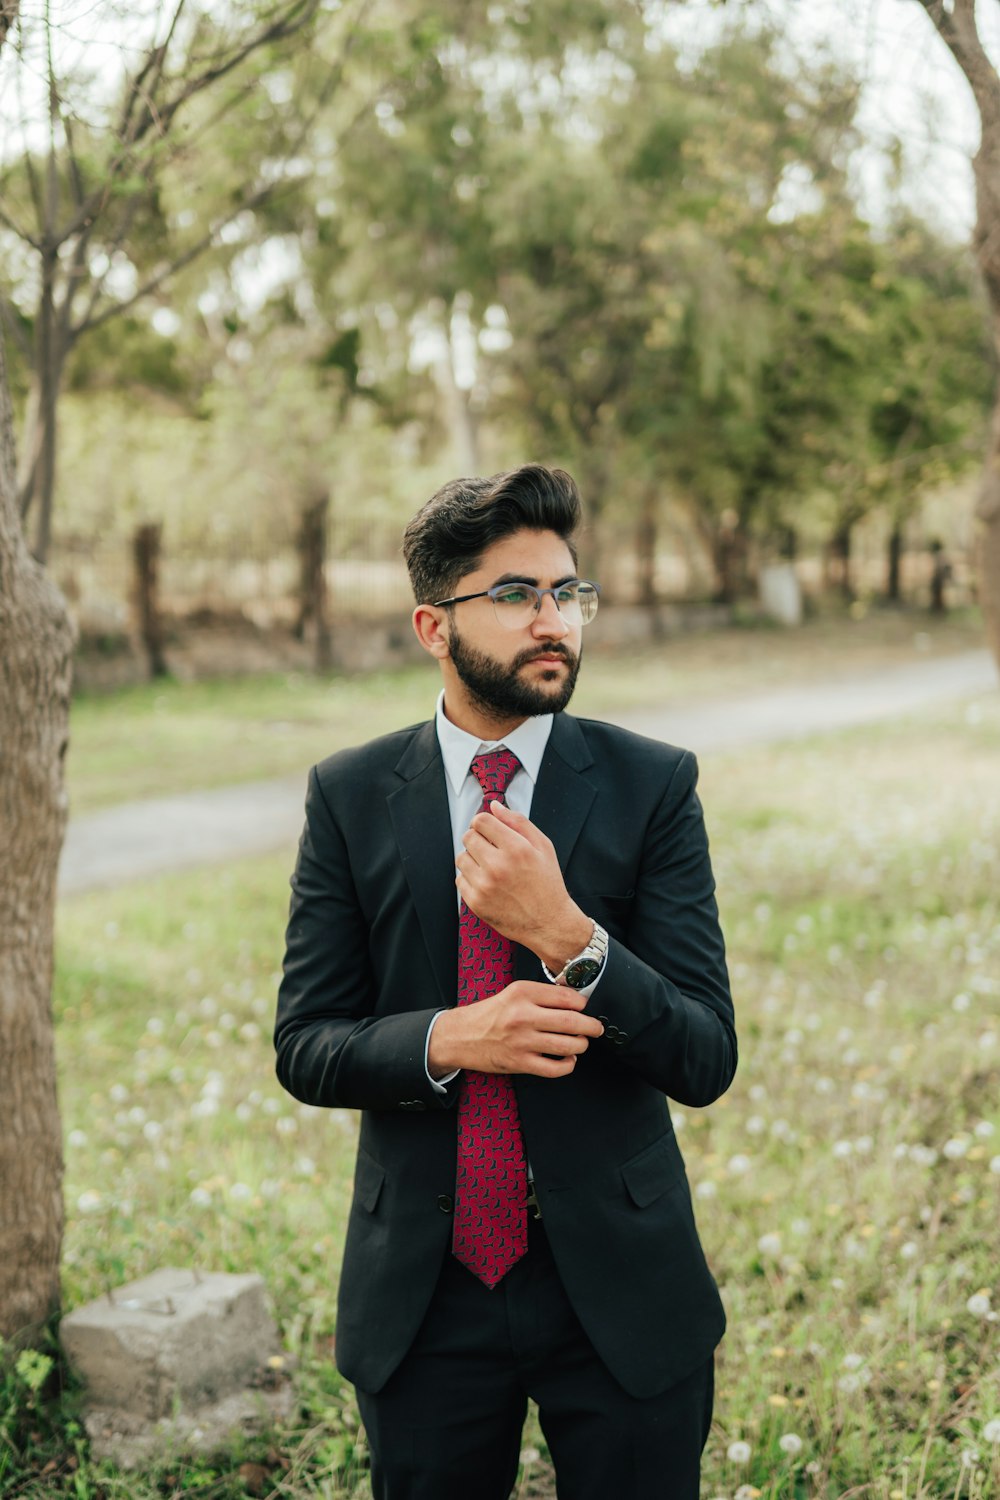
499,588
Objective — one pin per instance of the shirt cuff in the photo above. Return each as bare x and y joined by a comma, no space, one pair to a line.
438,1084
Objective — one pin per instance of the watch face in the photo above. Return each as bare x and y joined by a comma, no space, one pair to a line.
581,972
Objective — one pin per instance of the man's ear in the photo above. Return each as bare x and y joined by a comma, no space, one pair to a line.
429,625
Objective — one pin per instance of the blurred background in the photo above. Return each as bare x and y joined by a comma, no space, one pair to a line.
271,271
713,259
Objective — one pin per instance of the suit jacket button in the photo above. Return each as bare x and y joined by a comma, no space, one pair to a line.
604,1021
621,1036
445,1204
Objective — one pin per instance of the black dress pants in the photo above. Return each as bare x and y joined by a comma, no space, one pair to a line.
447,1424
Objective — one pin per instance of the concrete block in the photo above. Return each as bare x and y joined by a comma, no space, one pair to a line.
173,1357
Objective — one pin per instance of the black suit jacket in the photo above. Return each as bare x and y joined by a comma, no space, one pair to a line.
371,955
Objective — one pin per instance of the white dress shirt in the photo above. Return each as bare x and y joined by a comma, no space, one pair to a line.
465,795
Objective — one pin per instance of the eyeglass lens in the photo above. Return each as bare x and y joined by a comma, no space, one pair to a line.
516,604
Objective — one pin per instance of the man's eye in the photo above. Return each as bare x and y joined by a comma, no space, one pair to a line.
567,595
511,596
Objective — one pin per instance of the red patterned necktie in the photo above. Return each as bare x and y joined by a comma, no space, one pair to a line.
491,1188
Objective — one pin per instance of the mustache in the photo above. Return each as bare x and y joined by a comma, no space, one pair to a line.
569,657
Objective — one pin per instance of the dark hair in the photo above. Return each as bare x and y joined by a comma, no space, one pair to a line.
448,536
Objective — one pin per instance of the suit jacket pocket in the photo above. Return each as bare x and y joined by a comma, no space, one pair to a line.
368,1180
655,1169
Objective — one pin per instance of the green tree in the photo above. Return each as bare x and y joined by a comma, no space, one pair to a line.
104,215
89,206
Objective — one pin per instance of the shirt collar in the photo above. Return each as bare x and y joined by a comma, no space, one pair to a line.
527,741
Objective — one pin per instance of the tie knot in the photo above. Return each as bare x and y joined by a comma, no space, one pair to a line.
495,770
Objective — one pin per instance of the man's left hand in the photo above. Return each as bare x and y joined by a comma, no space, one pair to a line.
510,877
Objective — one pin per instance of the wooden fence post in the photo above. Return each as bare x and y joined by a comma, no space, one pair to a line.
313,597
146,595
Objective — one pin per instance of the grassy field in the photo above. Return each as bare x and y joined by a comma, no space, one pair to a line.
847,1188
174,736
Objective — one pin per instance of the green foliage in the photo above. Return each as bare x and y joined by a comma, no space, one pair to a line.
125,355
521,229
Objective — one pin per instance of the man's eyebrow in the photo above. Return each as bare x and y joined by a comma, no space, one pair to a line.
523,578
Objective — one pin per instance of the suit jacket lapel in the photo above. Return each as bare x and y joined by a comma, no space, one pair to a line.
422,825
560,803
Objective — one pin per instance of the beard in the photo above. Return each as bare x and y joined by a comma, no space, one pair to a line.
497,690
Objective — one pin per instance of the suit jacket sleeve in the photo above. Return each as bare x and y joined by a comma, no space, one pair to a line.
332,1049
664,993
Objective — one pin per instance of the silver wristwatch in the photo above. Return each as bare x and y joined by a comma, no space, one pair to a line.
582,970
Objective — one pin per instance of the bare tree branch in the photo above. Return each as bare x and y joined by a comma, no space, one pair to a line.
34,187
19,230
91,319
72,331
160,118
154,282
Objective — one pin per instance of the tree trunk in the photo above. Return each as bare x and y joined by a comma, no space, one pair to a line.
38,490
645,550
729,561
894,558
840,552
988,566
36,641
148,619
988,532
956,22
313,598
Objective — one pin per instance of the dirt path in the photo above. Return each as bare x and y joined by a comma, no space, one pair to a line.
139,839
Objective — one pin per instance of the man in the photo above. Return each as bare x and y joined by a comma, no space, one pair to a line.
504,948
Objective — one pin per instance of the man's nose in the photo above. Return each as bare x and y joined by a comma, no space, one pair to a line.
548,622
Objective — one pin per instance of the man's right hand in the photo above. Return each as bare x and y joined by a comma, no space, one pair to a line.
529,1027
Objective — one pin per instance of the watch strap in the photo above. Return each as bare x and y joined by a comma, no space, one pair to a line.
596,949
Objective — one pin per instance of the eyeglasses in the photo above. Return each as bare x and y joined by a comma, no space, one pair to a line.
516,604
